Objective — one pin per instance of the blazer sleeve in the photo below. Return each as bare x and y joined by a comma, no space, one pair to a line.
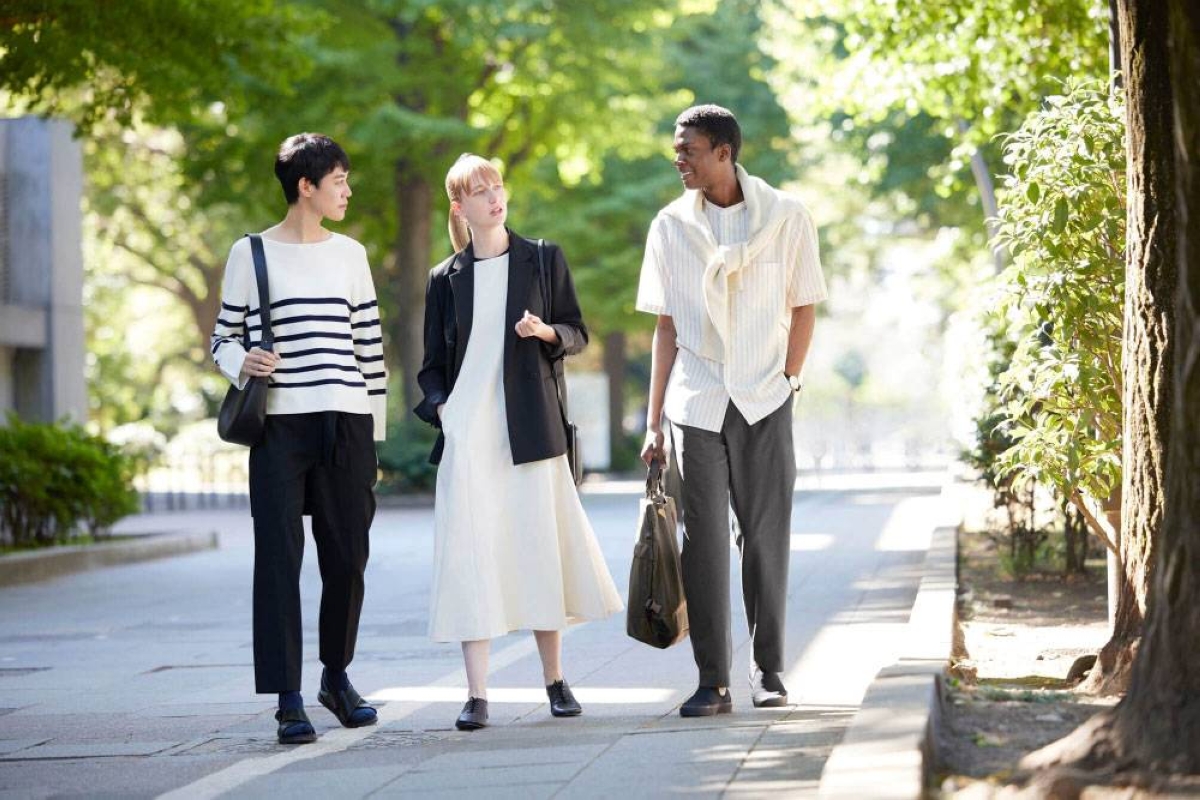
432,375
567,318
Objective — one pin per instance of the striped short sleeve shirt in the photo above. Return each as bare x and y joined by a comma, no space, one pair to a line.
786,274
325,319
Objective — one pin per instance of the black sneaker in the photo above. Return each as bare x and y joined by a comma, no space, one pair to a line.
767,689
562,701
474,715
706,702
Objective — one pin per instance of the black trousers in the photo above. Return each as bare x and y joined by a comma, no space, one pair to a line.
321,464
751,468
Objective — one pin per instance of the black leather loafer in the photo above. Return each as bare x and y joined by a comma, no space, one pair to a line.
562,701
706,702
474,715
348,706
294,727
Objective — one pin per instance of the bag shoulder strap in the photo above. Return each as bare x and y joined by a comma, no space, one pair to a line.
544,280
556,365
267,340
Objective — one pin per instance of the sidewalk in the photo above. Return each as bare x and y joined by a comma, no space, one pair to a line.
135,680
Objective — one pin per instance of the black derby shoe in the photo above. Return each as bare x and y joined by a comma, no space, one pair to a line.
706,702
294,727
562,701
767,690
473,716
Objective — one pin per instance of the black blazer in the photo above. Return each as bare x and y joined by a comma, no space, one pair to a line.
535,426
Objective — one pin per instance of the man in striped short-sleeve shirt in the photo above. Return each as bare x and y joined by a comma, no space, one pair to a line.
325,410
732,272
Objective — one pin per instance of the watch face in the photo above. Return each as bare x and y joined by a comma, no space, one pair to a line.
794,382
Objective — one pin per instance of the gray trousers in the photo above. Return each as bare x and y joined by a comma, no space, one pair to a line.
751,468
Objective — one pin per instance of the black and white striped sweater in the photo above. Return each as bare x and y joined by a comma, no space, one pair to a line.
325,318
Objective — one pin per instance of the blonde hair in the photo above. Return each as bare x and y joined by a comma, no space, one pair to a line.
467,171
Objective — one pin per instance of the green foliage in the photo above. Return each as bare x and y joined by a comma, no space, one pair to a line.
1063,219
404,458
153,261
602,219
584,137
55,477
627,456
917,92
1014,495
976,61
89,60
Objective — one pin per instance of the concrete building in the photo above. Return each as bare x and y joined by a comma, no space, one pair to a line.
42,348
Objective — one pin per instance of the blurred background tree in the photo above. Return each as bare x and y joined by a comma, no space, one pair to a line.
860,110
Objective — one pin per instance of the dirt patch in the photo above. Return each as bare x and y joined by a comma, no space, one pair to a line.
1009,693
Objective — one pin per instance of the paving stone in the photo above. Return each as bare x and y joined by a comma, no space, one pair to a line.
513,757
464,777
397,790
354,782
185,656
89,750
13,745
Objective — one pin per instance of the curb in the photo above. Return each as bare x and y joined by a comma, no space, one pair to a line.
35,566
888,750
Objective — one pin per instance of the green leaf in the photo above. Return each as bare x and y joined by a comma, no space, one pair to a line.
1060,216
1033,192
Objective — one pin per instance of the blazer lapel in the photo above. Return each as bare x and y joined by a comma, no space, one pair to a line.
522,264
462,286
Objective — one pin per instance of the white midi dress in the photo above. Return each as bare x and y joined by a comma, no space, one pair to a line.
513,549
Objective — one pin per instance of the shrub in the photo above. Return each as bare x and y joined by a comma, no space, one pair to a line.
1062,217
55,478
404,458
1015,494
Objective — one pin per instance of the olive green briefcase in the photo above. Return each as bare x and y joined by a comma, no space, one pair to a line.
657,611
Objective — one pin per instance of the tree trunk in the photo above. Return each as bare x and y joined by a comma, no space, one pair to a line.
1075,536
208,308
1156,728
614,367
408,275
987,195
1150,277
1159,721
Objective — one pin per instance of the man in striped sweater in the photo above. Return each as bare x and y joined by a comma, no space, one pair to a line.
325,411
732,272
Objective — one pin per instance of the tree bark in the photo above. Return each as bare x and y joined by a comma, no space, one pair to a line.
614,367
1159,720
1156,727
1147,353
407,276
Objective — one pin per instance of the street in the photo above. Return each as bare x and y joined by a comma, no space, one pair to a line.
136,681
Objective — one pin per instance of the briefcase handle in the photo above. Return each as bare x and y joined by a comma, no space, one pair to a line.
654,479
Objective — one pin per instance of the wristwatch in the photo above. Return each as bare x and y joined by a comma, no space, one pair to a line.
794,381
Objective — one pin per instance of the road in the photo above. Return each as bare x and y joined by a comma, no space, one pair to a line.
136,681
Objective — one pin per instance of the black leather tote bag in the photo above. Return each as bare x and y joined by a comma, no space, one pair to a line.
243,413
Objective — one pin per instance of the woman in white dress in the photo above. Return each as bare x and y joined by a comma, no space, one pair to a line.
513,549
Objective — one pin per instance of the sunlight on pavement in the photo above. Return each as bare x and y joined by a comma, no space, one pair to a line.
456,694
841,661
810,542
908,528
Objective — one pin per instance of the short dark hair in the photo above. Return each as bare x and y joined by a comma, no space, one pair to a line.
715,122
307,155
